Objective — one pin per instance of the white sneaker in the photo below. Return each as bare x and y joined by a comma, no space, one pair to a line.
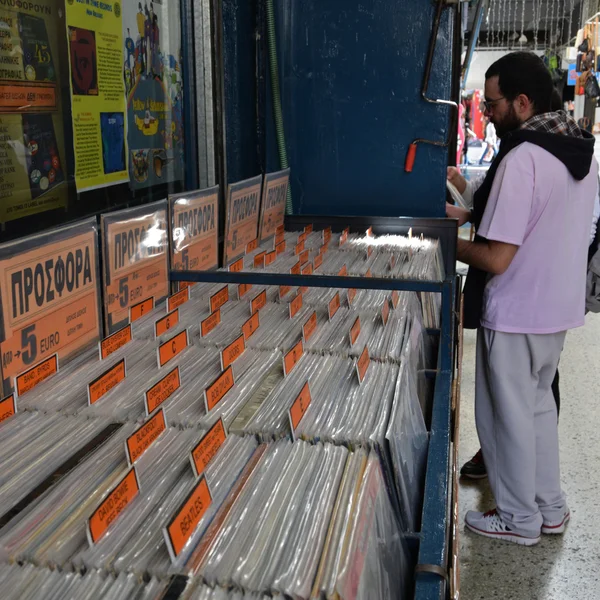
490,525
555,527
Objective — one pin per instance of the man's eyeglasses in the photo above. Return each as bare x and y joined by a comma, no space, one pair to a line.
489,104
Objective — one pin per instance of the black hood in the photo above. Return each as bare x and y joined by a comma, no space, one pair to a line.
574,152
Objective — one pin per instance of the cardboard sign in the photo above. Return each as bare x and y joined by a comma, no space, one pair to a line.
299,408
351,296
355,331
242,214
183,524
270,258
135,244
343,271
252,246
243,289
259,260
299,248
237,266
137,311
210,323
295,270
166,323
250,326
295,305
49,297
8,408
112,506
107,381
272,212
171,348
318,261
114,342
143,437
304,257
176,300
35,375
309,328
334,305
232,352
194,219
216,391
258,302
385,312
362,365
280,248
290,360
162,390
395,299
207,447
284,290
219,298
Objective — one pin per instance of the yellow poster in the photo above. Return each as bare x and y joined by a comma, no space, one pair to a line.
95,37
32,153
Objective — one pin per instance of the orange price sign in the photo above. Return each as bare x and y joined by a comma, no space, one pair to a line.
309,328
250,326
343,271
362,365
334,305
106,382
143,437
232,352
395,299
299,248
258,302
299,408
219,298
206,449
8,408
304,257
351,296
308,228
302,237
252,246
385,312
355,331
166,323
326,236
308,269
284,290
318,261
280,229
237,266
171,348
216,391
210,323
162,390
115,342
259,260
280,248
137,311
290,360
35,375
295,305
295,270
243,289
176,300
270,258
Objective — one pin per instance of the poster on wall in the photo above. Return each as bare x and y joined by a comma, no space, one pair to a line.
274,197
49,290
32,152
153,83
95,46
135,245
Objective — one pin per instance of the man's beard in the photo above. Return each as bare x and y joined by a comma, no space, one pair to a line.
510,122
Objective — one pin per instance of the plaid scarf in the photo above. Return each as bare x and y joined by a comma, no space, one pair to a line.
558,123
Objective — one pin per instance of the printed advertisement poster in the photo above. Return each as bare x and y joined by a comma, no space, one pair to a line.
241,208
50,298
152,73
195,230
135,260
272,211
95,38
32,153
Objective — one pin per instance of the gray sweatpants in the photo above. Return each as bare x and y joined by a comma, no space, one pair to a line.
517,425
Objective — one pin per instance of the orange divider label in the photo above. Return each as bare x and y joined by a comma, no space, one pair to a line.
243,289
343,238
280,230
362,365
296,305
112,506
295,270
219,298
8,408
162,390
302,238
259,260
309,328
368,273
29,379
343,271
270,258
290,360
299,248
318,261
326,236
210,323
185,284
304,257
308,269
259,302
176,300
370,232
232,352
395,299
182,526
351,296
299,408
280,239
114,342
308,228
252,246
166,323
334,305
324,248
137,311
207,447
106,382
385,312
215,392
355,331
392,261
237,266
171,348
369,251
250,326
143,437
280,248
284,290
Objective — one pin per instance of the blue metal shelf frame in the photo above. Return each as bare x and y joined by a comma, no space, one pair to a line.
434,546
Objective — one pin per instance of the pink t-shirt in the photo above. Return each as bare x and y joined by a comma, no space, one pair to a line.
537,205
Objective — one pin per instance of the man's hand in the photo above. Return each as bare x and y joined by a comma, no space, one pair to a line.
489,256
456,212
456,179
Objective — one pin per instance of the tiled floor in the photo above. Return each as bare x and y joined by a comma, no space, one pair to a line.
560,567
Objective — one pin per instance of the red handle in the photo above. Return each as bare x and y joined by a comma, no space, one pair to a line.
410,158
